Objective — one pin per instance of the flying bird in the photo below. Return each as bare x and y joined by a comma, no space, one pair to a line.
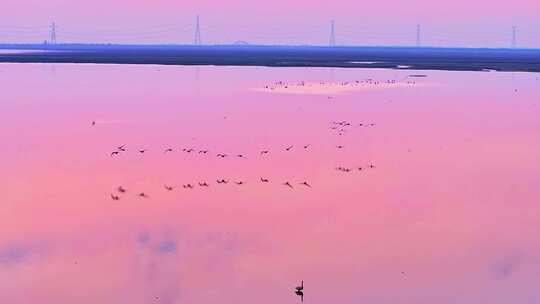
265,152
115,153
264,180
222,181
121,189
306,146
288,184
115,197
289,148
142,194
203,184
239,183
168,150
169,188
340,147
142,151
306,184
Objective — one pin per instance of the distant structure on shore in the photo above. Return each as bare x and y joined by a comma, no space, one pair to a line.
197,40
332,41
348,37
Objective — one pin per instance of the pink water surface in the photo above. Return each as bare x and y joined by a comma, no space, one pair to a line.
449,214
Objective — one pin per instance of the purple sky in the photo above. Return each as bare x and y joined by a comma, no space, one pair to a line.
457,22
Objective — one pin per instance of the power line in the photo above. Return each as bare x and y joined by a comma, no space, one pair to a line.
332,41
514,37
197,39
418,41
52,38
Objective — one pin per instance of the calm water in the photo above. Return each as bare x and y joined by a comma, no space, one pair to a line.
449,214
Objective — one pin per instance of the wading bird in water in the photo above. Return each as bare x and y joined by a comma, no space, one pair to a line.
300,291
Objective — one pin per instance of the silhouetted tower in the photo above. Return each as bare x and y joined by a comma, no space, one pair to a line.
418,38
514,37
197,40
332,33
52,38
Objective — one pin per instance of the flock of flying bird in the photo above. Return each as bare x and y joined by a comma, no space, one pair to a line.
222,181
338,126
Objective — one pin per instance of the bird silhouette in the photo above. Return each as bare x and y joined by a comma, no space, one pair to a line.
288,184
371,166
301,287
306,146
222,181
93,123
305,184
264,180
168,150
142,194
203,151
222,155
265,152
121,189
115,153
188,186
115,197
203,184
142,151
239,183
169,188
340,147
289,148
121,148
240,156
